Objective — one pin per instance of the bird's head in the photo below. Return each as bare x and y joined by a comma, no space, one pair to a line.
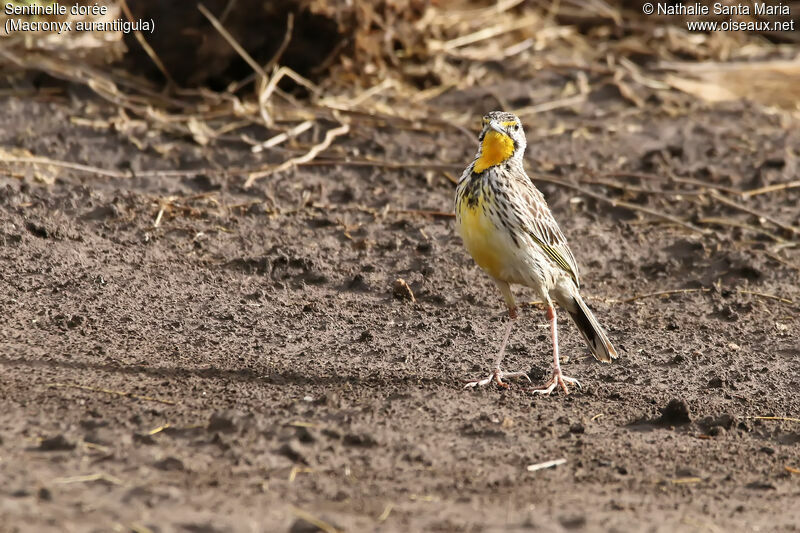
501,140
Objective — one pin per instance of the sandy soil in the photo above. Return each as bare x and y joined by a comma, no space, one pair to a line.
272,381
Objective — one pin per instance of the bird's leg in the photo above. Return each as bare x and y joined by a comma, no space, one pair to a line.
558,379
498,375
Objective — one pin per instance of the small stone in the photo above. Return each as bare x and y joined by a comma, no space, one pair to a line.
305,435
257,209
401,291
577,429
170,464
573,522
56,444
293,451
102,212
226,421
360,439
204,183
331,433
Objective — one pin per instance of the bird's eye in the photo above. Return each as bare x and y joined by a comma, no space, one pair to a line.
515,127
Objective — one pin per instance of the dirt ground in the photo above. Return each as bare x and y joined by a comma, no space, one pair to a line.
245,365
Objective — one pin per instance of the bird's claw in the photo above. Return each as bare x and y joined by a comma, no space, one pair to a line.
497,376
557,379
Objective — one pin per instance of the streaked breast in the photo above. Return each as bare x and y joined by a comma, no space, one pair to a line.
485,242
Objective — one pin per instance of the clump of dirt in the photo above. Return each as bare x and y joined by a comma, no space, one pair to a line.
675,413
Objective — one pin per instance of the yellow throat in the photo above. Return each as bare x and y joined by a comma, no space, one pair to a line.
496,148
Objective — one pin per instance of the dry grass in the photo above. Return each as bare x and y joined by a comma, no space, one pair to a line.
400,54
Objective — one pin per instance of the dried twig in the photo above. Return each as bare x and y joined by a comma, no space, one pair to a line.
159,429
64,164
484,33
639,190
313,520
146,46
389,506
231,40
223,171
109,391
767,296
298,470
771,188
721,221
100,476
282,48
751,211
620,203
450,177
784,418
546,464
395,165
660,293
685,480
260,72
782,261
543,107
158,217
671,292
281,137
423,212
671,178
330,135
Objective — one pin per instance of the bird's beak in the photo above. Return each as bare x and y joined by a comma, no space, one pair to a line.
493,125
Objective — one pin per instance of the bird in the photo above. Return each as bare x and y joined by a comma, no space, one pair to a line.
510,232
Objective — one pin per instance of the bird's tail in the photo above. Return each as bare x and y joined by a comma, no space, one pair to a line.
589,327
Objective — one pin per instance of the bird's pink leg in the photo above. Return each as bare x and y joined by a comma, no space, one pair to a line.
497,375
558,379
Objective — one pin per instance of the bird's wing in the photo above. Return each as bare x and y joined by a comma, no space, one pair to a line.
543,229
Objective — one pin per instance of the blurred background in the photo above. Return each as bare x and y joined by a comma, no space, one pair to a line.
213,70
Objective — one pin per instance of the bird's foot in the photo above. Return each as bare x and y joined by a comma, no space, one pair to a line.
557,379
497,376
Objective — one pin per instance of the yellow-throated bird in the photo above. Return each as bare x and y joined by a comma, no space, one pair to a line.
508,229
